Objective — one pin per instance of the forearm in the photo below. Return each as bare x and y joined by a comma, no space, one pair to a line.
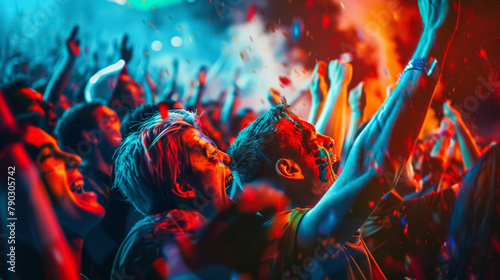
354,124
332,121
228,107
468,148
382,149
59,80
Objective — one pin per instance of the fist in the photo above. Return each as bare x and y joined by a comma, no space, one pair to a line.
357,98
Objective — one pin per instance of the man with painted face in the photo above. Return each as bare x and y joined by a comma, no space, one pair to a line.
321,238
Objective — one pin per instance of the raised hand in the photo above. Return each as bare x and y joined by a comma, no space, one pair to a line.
126,53
357,98
340,73
73,43
319,88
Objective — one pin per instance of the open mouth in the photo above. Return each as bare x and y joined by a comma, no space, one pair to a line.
333,157
229,180
77,186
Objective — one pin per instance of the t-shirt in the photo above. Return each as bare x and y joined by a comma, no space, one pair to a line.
329,260
406,237
151,250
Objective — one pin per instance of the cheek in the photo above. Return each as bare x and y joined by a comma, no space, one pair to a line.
56,183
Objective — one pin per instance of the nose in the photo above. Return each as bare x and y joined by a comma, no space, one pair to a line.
326,141
224,158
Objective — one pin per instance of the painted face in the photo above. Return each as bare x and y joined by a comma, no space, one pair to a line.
109,124
38,105
314,151
210,167
77,211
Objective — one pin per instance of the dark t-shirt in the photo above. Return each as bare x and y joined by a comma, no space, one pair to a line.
405,237
151,250
284,260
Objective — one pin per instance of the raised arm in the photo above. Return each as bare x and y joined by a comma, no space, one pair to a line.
468,148
386,143
319,90
332,121
61,75
357,102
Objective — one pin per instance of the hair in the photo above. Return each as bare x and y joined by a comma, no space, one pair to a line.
256,148
133,120
235,123
73,122
17,104
151,160
474,232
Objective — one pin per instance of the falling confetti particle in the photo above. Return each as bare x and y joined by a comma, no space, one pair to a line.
234,39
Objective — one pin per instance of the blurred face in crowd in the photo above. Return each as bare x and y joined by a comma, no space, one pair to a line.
209,166
109,124
132,90
77,211
34,103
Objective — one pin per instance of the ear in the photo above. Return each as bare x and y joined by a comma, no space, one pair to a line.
90,137
184,191
289,169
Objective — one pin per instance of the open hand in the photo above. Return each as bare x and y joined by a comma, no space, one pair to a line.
340,73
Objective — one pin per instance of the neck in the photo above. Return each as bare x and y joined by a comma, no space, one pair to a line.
97,161
75,243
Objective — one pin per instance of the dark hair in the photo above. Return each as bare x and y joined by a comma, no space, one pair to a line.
474,232
73,122
256,149
133,120
17,104
151,160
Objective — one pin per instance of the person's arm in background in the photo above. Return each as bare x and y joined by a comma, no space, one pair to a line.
468,147
229,107
440,150
44,226
332,121
61,76
357,102
319,91
386,143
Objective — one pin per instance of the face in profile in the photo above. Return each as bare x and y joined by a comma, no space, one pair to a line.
77,210
313,151
209,166
109,124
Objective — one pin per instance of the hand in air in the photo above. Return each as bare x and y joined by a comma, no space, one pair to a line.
318,82
126,52
340,73
73,43
357,98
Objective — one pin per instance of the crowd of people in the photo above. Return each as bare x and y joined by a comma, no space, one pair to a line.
119,179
